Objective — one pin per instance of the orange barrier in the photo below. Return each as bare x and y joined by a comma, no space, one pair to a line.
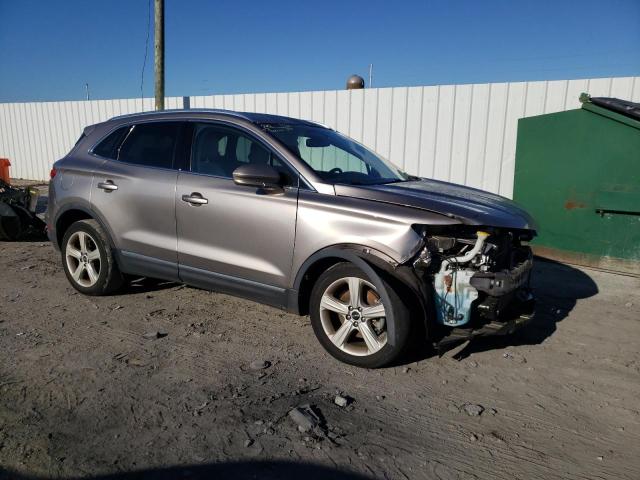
4,169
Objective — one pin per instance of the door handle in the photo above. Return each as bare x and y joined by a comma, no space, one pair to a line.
108,186
195,199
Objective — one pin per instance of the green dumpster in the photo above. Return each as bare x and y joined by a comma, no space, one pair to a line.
578,174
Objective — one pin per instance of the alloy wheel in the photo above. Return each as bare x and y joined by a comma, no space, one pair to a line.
353,316
83,259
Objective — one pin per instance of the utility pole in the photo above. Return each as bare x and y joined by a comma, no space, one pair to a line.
370,75
86,87
159,53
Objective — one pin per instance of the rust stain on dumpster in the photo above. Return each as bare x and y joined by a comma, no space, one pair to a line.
572,205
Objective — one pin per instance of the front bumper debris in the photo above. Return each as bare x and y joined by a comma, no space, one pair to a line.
520,313
498,284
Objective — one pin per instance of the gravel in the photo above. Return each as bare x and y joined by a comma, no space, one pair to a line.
473,409
305,418
83,393
259,364
153,335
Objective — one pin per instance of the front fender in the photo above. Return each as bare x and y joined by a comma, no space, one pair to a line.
375,264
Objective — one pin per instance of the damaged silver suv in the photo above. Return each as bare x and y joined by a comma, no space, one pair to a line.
295,215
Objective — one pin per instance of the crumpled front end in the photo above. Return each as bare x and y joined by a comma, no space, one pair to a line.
479,279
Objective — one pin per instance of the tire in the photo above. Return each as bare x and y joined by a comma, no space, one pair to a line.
88,261
336,320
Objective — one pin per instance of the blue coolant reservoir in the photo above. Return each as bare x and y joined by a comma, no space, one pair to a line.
454,296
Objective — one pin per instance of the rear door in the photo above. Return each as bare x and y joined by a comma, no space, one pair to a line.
236,236
134,193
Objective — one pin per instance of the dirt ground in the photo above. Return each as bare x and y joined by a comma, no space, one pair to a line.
84,393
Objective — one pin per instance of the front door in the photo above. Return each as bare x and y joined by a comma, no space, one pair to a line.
234,238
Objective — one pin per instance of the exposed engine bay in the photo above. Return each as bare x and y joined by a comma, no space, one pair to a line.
478,277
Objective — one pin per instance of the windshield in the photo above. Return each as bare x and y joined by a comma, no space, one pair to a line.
334,157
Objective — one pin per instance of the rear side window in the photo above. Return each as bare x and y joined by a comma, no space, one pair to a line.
150,145
108,147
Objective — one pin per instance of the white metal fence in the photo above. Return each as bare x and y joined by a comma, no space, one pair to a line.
460,133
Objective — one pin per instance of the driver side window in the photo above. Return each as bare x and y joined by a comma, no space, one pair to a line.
218,151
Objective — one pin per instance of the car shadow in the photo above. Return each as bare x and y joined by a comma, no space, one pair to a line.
136,285
264,470
557,288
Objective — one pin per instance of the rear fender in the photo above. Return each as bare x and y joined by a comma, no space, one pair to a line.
85,208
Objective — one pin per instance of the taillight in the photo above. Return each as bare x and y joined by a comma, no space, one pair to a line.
52,173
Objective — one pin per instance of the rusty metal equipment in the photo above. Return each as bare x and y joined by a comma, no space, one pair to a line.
4,169
18,212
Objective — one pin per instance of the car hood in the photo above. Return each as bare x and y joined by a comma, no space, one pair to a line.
470,205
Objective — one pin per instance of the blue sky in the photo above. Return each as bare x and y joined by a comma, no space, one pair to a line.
49,49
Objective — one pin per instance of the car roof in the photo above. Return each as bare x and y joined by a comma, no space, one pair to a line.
258,118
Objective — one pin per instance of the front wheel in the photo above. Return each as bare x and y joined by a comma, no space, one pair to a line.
350,318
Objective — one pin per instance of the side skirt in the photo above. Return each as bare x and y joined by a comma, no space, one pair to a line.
239,287
136,264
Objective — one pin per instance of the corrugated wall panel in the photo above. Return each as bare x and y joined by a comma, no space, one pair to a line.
428,131
517,96
411,147
476,145
330,109
444,132
382,142
370,119
341,123
460,133
398,126
496,120
34,135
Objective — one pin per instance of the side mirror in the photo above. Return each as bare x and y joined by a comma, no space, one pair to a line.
256,175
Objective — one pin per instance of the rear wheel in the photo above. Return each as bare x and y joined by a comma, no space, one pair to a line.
350,317
88,261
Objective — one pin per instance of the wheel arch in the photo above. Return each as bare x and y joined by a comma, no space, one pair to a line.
73,213
375,264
